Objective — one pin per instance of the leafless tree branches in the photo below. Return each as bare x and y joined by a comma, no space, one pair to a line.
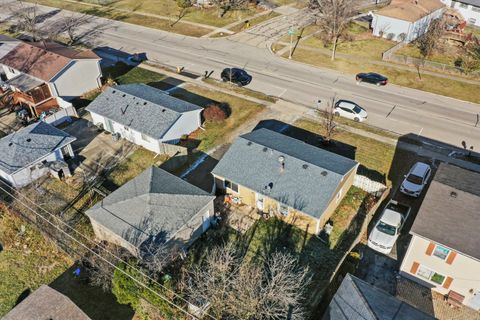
236,290
329,125
227,5
333,17
26,17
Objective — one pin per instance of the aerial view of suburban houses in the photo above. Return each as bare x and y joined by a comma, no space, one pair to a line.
238,159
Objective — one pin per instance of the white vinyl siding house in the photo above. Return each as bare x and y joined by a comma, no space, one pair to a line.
469,9
26,154
405,20
145,116
78,77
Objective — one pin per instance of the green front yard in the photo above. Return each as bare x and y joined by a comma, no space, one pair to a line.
217,133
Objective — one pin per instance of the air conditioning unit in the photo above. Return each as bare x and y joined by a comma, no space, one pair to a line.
116,136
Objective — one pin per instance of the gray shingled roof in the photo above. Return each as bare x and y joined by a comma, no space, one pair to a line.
30,144
308,181
450,212
7,44
356,299
154,201
141,107
46,303
475,3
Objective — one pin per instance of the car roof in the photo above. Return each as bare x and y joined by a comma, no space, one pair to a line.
391,217
346,101
419,168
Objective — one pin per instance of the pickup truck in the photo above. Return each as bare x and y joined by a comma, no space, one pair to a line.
387,229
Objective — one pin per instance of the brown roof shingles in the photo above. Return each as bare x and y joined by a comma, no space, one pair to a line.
46,303
43,60
409,10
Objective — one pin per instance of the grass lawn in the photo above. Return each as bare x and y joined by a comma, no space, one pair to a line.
26,262
241,26
242,90
132,166
363,44
412,50
217,133
124,74
442,86
139,12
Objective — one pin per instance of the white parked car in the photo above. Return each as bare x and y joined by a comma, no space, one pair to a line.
350,110
416,179
387,229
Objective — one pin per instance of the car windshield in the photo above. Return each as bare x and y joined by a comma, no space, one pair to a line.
386,228
414,179
357,109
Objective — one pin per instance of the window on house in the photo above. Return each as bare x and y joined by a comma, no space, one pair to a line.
441,252
283,209
463,5
472,21
230,185
145,138
430,275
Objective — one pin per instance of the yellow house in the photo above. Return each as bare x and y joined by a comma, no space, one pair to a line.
283,176
444,253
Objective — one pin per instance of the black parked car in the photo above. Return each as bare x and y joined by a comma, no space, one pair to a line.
237,76
372,77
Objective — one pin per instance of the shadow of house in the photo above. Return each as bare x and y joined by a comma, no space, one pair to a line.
25,293
96,303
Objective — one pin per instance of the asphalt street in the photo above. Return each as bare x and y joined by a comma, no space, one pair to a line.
392,107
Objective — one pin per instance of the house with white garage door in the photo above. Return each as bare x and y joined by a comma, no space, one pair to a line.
144,115
405,20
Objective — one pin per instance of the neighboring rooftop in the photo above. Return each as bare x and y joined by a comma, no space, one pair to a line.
410,10
154,201
30,144
450,211
307,181
42,60
475,3
46,303
141,107
7,44
356,299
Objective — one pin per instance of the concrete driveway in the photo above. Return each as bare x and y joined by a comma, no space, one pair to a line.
94,150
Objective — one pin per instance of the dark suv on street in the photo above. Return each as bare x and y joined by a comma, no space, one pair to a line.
372,77
237,76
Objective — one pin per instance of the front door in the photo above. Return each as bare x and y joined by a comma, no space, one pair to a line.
108,125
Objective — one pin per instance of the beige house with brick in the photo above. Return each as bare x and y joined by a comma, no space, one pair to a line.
444,253
286,177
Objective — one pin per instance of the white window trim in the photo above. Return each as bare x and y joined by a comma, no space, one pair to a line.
446,257
432,273
230,189
338,196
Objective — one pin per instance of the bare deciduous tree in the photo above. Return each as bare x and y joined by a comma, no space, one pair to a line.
100,267
329,125
333,17
227,5
236,290
429,40
71,25
26,18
